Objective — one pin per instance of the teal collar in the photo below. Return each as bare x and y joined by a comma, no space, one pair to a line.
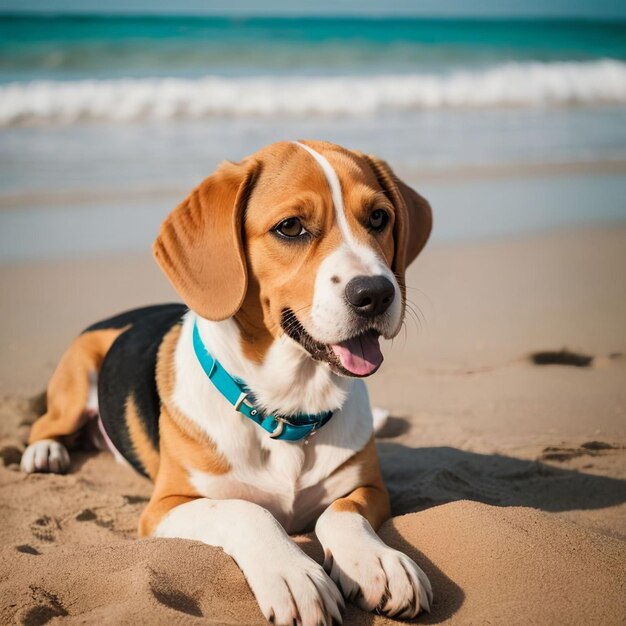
290,428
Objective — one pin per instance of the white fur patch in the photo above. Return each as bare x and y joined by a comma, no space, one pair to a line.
331,319
288,585
381,416
46,455
91,407
335,190
368,571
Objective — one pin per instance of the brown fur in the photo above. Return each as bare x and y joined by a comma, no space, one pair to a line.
371,500
145,451
183,446
199,246
180,452
166,382
414,220
69,386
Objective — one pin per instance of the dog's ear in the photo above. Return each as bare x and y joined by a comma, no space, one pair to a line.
414,218
200,248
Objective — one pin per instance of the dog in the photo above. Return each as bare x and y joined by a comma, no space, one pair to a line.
246,405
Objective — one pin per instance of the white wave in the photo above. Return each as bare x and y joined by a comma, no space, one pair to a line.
511,85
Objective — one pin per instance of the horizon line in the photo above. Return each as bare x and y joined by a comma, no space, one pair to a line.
370,16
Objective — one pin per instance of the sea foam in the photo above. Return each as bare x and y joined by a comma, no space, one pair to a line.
523,85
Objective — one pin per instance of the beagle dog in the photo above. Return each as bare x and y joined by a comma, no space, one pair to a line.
245,405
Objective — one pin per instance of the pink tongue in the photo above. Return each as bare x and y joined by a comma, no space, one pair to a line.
360,355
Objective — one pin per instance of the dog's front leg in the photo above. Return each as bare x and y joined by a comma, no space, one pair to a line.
289,586
370,573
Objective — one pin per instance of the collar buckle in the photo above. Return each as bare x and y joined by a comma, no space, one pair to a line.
280,426
243,399
292,428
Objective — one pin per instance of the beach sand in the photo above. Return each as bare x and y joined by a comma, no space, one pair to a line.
508,478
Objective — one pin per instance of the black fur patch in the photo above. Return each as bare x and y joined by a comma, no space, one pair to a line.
129,369
133,316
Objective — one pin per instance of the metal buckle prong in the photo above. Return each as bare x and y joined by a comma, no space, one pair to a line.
243,397
278,431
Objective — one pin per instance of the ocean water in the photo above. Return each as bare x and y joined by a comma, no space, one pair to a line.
121,116
65,70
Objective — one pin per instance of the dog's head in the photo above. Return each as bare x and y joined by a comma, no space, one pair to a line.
308,240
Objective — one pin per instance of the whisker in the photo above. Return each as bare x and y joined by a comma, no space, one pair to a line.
422,293
415,308
293,322
415,317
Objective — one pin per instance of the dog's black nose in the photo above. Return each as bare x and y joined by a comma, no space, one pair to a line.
370,295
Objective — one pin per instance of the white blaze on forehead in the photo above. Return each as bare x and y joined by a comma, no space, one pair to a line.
330,318
335,190
365,256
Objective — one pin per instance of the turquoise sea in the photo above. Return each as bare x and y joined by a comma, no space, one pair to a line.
66,48
102,117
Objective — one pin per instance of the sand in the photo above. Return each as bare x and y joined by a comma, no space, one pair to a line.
508,478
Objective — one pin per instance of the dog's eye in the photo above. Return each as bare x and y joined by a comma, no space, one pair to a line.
378,219
291,228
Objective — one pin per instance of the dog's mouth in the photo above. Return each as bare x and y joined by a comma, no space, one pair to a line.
358,356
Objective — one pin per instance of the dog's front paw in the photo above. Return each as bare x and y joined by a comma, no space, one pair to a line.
379,578
46,455
295,590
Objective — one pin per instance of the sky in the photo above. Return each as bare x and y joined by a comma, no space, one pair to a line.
590,9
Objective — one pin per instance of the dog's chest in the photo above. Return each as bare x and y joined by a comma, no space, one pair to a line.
294,481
